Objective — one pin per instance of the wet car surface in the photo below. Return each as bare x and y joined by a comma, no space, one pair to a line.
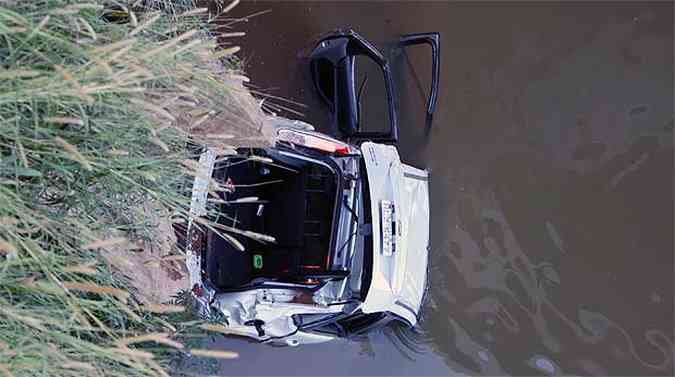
551,160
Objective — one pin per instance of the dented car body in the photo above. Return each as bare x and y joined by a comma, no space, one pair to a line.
311,239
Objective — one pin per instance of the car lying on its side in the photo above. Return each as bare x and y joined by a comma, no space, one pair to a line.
311,239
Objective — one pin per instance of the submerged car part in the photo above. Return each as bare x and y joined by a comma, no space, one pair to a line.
332,64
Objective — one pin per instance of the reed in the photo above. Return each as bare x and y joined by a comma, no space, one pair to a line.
95,103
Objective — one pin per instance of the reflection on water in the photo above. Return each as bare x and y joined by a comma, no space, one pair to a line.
551,165
508,295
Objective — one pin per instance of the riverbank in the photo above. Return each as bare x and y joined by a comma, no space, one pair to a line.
98,108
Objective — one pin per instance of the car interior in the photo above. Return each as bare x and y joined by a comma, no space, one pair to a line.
290,199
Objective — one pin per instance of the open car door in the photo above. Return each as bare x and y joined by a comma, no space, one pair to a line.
333,66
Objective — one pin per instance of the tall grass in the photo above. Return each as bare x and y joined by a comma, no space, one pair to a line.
95,119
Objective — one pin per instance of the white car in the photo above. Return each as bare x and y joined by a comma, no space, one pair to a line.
313,238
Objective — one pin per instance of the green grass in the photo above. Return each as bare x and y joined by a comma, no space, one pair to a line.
95,118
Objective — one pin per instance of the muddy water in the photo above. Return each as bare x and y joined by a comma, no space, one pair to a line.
551,159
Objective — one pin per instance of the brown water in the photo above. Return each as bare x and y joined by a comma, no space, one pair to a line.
551,159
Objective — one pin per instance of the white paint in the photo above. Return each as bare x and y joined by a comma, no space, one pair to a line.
399,280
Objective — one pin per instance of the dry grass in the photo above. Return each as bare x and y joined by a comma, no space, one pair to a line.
96,117
161,338
214,354
163,308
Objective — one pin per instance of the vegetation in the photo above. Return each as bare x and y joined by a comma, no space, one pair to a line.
98,103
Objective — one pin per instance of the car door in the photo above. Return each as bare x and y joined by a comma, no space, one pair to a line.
340,64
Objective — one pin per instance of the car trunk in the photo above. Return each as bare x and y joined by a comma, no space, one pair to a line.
288,198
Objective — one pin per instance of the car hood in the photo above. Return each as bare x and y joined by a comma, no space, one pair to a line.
398,280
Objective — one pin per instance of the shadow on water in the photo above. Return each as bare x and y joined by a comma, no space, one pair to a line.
551,160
